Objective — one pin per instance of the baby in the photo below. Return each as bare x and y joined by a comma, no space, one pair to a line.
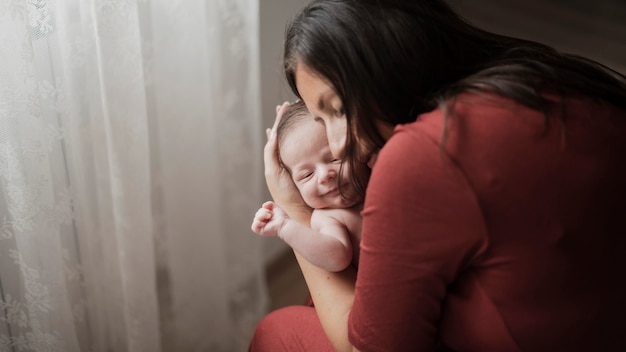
332,242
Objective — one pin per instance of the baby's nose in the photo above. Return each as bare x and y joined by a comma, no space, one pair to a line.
327,175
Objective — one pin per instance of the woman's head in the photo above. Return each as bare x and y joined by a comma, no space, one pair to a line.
384,60
397,52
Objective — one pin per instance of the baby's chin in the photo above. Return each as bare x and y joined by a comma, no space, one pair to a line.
347,203
342,203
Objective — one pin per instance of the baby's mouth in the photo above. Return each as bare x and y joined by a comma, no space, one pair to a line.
331,192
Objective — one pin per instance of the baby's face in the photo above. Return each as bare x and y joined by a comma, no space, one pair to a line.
314,169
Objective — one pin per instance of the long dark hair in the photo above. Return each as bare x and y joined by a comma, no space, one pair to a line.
390,60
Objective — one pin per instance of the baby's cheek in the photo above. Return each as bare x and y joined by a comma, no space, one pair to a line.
306,194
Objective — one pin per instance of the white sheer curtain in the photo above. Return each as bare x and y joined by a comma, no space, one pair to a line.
129,170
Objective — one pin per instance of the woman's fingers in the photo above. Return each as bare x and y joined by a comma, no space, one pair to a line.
280,111
273,171
271,147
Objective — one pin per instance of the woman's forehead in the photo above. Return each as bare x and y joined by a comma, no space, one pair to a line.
314,89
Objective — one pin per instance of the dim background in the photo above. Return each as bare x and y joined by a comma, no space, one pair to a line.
131,137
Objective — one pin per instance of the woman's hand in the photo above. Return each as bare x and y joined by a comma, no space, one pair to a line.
279,182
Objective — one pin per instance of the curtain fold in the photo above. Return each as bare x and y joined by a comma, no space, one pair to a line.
129,167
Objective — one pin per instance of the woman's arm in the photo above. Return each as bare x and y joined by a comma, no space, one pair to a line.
332,293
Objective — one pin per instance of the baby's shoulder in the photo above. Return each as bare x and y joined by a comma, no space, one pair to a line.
348,217
326,214
337,213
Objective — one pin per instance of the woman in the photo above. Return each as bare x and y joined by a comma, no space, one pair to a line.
493,215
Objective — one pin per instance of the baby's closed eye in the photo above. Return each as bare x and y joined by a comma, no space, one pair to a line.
305,175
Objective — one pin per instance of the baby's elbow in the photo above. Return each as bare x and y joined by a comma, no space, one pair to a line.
340,262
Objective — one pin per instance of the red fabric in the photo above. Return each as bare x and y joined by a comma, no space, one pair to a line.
290,329
510,238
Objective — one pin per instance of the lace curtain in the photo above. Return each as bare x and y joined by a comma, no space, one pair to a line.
130,138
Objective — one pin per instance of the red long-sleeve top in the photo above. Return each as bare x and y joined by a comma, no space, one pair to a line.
510,235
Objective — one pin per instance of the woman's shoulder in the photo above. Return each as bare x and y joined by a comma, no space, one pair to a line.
487,115
486,136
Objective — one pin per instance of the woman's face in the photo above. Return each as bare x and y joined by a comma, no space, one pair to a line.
327,108
325,105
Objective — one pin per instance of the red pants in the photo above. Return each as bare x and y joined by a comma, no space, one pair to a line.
290,329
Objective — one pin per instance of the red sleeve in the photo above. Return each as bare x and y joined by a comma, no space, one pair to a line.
422,224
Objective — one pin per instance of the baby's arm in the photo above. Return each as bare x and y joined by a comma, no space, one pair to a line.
327,245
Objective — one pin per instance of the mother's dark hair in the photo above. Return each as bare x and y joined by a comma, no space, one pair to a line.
391,60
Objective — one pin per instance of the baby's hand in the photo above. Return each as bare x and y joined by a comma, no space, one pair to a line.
268,220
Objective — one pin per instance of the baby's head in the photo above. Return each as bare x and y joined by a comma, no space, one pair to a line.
296,114
323,181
